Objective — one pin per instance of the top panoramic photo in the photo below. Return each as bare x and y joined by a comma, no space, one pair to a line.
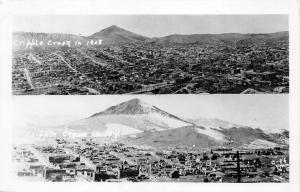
150,54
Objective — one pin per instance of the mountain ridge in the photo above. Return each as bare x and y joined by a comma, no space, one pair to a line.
150,120
134,106
138,122
117,35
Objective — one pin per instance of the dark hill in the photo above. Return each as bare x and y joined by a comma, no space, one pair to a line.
117,35
185,136
214,39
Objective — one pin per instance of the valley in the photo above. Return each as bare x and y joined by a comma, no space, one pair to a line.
128,63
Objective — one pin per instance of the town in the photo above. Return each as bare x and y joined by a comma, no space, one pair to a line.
153,69
88,160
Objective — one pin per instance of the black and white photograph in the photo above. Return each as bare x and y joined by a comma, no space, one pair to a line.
160,95
191,138
150,54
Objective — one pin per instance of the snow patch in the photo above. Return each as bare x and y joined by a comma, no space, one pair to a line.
215,123
211,133
259,143
269,130
167,121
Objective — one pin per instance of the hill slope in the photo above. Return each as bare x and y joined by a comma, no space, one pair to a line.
149,125
190,136
185,136
140,123
133,113
228,38
117,35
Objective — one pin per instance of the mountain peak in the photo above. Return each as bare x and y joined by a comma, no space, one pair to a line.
133,106
114,28
116,35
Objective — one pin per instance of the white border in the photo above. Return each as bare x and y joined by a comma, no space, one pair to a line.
77,7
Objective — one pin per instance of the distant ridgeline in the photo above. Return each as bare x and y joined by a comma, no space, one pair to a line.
29,40
114,35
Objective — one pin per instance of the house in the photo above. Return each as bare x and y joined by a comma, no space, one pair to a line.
53,174
174,174
86,173
37,169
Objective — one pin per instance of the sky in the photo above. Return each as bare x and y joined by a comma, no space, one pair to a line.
152,25
250,110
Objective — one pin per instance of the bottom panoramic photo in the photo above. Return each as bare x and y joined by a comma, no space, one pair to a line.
145,138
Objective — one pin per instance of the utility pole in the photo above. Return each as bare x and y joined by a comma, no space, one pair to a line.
238,167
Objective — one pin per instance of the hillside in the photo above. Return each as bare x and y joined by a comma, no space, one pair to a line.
135,114
191,137
213,123
117,35
139,123
185,136
228,38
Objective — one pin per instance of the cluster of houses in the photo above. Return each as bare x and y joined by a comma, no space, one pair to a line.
184,68
212,69
90,161
19,79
